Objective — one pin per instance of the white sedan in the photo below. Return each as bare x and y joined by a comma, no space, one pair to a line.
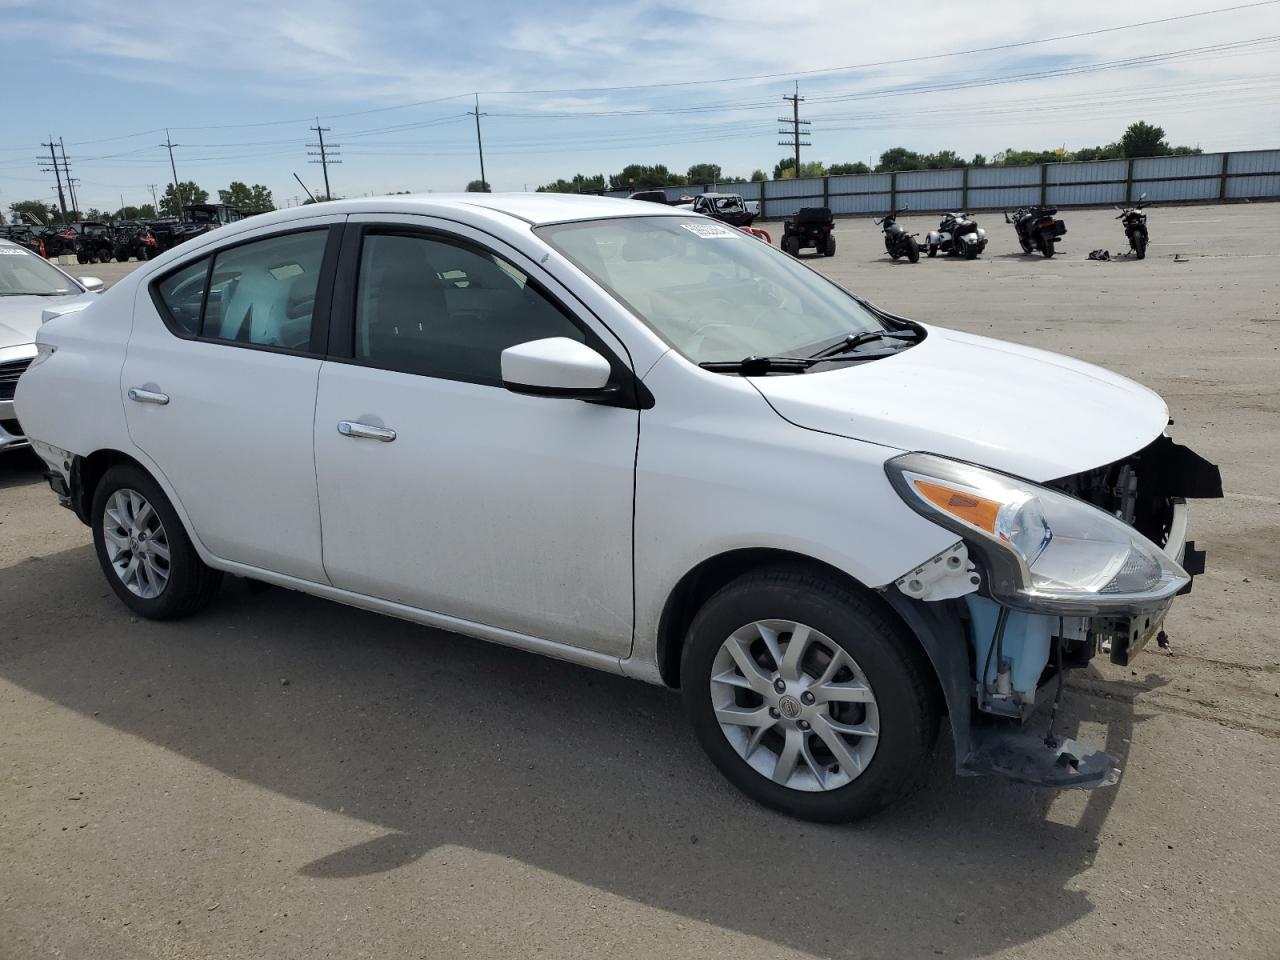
640,441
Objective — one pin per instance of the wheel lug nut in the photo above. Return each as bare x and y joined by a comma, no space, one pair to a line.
804,724
773,712
806,698
780,685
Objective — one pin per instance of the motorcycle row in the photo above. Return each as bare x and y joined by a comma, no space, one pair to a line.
1038,229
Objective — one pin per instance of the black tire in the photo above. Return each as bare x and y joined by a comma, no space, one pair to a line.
892,661
122,256
829,248
913,250
791,245
1046,241
971,251
1140,246
933,250
191,584
1026,245
82,258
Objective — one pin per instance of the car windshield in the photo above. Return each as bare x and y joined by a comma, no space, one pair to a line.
711,291
22,273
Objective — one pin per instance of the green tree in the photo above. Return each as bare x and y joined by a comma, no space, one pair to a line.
93,213
581,183
144,212
1141,139
978,160
785,169
247,199
637,176
758,175
705,173
944,160
34,211
899,158
175,198
843,169
479,186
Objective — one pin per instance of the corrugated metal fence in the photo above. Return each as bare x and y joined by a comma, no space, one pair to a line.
1253,175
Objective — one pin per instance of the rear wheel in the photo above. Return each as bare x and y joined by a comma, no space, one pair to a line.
82,258
791,245
829,248
1140,246
913,250
933,249
144,550
807,696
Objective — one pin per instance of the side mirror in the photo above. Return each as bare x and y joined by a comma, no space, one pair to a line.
1143,195
555,367
92,284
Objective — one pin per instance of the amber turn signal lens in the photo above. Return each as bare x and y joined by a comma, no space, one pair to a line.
972,509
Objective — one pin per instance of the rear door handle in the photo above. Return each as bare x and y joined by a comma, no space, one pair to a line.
365,431
148,396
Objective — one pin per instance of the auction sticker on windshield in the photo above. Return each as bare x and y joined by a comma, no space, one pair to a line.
709,231
12,252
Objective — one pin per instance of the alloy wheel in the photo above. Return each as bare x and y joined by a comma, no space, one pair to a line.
794,705
136,542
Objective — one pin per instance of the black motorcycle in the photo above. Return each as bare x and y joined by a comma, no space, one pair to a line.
1038,228
1135,227
957,235
897,242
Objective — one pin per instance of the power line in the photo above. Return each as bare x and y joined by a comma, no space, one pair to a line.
323,153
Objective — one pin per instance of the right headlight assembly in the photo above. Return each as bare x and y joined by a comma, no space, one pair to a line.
1045,551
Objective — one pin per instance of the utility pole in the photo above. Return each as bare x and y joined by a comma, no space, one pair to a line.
479,143
57,173
177,189
795,123
325,153
155,204
71,181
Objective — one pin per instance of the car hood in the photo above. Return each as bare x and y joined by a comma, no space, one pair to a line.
20,316
1024,411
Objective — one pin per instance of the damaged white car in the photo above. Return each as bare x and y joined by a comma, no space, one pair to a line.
638,441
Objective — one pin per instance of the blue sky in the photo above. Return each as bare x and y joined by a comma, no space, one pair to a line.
238,83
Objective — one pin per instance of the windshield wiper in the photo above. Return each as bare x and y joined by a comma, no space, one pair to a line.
855,340
759,366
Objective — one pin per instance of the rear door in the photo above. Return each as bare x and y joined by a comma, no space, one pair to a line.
446,492
220,389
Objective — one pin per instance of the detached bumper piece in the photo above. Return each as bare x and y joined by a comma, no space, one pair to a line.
1022,756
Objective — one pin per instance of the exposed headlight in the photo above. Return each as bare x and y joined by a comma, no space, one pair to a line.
1046,551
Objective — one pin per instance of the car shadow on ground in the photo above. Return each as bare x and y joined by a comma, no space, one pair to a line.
444,740
20,467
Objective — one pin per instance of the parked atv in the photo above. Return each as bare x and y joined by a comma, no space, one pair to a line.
134,240
810,227
1038,228
1135,227
897,242
94,243
957,235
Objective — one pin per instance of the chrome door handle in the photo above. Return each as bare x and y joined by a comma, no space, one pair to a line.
365,431
148,396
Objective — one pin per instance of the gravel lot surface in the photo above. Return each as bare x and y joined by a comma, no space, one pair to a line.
281,777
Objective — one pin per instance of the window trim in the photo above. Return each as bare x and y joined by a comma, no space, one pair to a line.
630,392
320,314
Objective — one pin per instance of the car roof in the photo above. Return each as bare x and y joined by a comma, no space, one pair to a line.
532,208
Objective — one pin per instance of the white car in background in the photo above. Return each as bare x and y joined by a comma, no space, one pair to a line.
637,440
30,287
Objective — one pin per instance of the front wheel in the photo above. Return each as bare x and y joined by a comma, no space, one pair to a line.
971,251
144,550
791,245
829,248
913,250
807,696
933,249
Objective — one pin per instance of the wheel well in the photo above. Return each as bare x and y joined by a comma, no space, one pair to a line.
698,586
86,472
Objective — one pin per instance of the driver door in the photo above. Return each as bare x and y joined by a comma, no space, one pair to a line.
446,492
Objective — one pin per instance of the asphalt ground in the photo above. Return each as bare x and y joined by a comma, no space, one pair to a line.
283,777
